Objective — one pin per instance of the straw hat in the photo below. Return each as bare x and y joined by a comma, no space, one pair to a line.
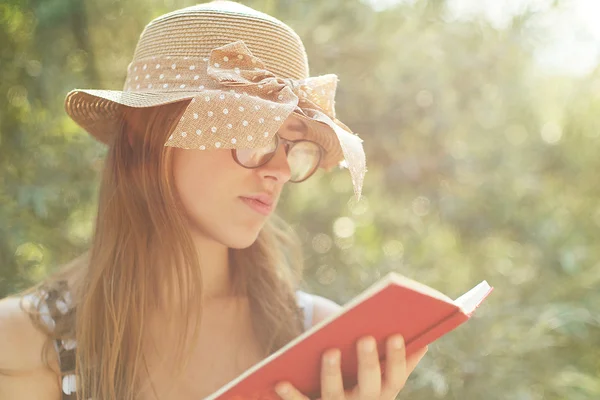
242,73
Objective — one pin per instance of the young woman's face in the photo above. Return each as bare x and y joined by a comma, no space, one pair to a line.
213,187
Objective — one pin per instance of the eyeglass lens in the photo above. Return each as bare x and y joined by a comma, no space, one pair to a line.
302,156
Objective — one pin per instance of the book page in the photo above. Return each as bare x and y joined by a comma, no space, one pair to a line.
469,301
419,287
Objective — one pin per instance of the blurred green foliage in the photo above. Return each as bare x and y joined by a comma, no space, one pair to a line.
480,167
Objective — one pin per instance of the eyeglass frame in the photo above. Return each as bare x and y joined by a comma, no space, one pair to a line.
279,139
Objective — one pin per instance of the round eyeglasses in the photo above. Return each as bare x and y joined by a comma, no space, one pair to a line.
303,156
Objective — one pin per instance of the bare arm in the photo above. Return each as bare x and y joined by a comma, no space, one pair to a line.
23,374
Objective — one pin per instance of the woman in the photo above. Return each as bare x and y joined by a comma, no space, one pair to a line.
190,278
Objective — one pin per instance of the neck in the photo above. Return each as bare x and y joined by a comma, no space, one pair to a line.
217,290
216,272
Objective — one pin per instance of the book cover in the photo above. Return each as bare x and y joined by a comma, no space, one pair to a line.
394,304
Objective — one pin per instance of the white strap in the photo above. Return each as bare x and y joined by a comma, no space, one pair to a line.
305,301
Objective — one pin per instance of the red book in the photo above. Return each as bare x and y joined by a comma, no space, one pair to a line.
394,304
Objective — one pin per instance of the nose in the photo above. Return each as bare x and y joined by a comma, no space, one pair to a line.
278,167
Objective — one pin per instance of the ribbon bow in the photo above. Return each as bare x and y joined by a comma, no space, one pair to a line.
234,65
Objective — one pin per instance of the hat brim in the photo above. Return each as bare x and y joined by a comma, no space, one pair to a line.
99,112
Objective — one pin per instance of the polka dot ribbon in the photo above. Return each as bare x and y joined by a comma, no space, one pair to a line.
248,104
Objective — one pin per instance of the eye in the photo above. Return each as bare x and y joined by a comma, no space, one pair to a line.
286,146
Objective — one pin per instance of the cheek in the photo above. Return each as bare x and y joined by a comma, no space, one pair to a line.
207,182
198,175
208,186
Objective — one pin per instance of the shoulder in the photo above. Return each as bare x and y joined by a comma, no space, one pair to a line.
323,308
19,338
23,373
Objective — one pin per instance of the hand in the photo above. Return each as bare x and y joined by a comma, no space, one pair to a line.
370,385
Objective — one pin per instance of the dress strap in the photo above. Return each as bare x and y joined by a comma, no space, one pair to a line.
305,301
53,305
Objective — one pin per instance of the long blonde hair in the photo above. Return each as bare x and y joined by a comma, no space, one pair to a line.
139,232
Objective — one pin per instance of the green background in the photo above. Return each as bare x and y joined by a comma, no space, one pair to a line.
481,166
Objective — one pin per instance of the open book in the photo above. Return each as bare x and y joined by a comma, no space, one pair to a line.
394,304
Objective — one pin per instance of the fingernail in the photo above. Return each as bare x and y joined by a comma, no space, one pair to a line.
397,342
368,344
333,358
282,390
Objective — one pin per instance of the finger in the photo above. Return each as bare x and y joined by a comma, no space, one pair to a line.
413,359
369,371
287,391
332,384
395,366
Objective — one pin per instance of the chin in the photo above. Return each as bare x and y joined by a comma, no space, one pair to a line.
233,234
241,241
238,236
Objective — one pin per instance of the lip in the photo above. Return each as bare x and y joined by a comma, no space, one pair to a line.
261,203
